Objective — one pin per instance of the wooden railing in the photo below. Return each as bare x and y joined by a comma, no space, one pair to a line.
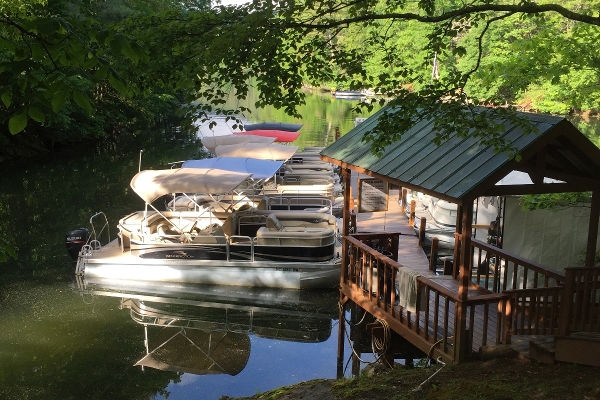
581,306
369,277
498,270
523,298
534,311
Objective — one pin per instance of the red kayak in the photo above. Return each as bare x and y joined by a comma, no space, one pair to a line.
280,136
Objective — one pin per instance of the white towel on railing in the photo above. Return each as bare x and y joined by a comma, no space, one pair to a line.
407,288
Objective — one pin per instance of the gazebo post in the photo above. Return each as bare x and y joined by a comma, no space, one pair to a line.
590,254
462,342
457,233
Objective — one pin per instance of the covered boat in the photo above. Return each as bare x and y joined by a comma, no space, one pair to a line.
211,142
282,249
280,136
257,150
281,126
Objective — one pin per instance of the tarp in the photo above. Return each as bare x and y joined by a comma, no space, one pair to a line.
554,238
280,136
257,150
260,169
152,184
211,142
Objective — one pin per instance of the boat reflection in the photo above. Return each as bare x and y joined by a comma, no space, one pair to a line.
207,329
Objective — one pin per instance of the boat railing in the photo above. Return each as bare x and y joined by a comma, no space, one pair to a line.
100,230
309,203
241,240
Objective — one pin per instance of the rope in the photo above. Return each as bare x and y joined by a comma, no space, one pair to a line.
376,344
381,346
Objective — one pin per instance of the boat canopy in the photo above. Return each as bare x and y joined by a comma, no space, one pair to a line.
152,184
211,142
280,136
260,169
257,150
282,126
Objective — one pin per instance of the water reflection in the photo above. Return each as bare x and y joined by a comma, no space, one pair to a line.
209,330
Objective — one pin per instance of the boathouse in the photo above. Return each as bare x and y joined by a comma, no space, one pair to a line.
471,308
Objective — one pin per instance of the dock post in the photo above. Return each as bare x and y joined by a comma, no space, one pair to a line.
433,256
411,218
422,231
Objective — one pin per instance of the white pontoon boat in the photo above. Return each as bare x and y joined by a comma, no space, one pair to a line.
281,249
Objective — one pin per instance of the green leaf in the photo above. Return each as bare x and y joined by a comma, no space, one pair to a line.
18,122
59,99
116,83
82,101
36,114
7,99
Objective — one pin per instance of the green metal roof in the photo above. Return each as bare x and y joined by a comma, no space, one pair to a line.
462,168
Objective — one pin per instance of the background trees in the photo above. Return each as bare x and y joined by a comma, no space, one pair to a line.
71,66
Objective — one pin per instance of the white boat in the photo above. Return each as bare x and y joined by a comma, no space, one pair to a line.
281,126
440,217
272,186
348,94
280,249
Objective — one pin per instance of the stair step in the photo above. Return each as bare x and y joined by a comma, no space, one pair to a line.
542,349
579,348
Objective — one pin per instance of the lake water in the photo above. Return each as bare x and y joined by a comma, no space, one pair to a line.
59,340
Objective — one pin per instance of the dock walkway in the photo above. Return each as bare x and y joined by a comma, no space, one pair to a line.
434,315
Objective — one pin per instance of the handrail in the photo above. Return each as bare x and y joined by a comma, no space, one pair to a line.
516,259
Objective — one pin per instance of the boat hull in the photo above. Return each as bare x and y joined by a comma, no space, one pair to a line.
110,262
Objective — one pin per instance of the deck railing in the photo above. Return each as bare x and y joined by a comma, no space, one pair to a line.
370,276
534,311
581,308
523,298
498,270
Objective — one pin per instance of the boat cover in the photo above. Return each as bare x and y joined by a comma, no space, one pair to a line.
211,142
152,184
260,169
271,151
282,126
280,136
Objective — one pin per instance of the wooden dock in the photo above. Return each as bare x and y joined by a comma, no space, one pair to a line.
432,327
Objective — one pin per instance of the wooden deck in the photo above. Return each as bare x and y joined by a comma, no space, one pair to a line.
486,317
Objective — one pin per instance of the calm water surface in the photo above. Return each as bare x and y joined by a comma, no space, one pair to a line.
63,339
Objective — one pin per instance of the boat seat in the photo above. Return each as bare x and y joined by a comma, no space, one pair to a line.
273,224
295,236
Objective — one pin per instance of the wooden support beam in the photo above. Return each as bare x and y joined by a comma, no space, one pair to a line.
422,227
433,256
462,338
590,253
346,182
411,218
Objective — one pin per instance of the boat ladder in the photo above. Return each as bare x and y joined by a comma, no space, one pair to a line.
86,252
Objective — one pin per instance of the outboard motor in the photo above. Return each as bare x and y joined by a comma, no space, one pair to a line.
76,239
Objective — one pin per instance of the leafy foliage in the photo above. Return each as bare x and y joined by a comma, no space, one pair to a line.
554,201
535,55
